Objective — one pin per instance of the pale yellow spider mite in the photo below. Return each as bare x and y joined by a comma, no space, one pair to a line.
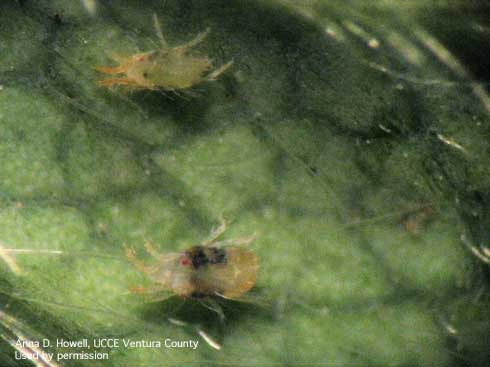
171,69
225,269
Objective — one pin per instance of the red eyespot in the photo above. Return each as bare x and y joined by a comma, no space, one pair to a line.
142,58
184,262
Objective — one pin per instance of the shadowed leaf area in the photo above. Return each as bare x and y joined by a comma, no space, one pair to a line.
352,138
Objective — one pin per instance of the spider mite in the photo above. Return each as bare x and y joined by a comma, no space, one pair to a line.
167,69
223,269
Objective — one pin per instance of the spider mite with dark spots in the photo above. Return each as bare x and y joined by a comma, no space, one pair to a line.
214,268
168,69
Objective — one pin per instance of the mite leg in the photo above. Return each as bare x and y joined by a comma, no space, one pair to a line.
154,253
124,64
179,94
166,95
211,342
131,255
150,249
194,93
215,74
158,295
214,306
122,60
195,41
152,293
158,29
241,241
121,69
246,298
216,233
186,94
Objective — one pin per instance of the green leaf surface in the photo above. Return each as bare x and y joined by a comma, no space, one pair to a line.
351,137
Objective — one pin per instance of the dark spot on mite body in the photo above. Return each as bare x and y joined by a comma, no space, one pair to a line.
217,255
198,257
202,256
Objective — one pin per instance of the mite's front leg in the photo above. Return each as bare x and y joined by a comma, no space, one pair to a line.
131,256
151,250
195,41
216,232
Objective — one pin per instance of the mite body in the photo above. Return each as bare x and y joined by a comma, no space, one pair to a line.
171,69
224,269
